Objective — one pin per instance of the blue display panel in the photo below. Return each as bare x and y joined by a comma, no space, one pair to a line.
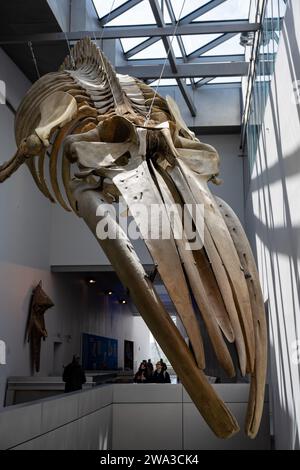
99,353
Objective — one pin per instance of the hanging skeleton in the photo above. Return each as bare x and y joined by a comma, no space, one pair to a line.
36,330
99,119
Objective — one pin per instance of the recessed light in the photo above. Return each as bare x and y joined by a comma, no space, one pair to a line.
92,281
108,292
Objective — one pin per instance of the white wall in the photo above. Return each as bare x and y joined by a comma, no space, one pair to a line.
273,220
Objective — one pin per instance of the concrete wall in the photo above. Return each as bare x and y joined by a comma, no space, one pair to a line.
122,417
273,221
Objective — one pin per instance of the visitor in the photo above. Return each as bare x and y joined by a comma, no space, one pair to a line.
163,364
150,368
74,376
161,375
142,376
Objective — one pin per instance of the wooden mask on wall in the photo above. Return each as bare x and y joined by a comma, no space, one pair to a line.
36,330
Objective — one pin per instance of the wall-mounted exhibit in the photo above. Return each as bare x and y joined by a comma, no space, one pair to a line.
99,353
36,328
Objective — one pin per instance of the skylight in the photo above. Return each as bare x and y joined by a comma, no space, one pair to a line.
155,51
138,15
190,5
229,47
229,10
185,47
103,7
192,43
129,43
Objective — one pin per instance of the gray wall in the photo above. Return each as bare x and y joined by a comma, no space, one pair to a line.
273,222
217,105
231,170
24,241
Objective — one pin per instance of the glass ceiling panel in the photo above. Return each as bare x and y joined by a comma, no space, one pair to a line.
176,47
230,47
226,80
192,43
103,7
129,43
157,51
138,15
190,5
167,18
229,10
164,82
141,14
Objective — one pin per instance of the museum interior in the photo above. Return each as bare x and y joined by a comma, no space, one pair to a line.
149,236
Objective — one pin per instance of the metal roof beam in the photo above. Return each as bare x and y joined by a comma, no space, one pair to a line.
186,96
113,32
165,39
209,27
174,22
204,81
196,60
172,15
159,18
234,69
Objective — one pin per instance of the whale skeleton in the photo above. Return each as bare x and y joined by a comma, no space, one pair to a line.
112,136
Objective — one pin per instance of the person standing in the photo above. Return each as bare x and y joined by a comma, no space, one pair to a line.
161,376
150,368
74,376
141,376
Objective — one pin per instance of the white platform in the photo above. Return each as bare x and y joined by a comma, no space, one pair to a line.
125,416
26,389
